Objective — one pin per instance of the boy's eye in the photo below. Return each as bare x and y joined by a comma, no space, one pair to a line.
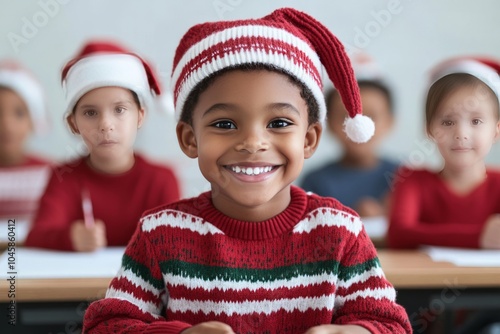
476,121
20,113
224,125
279,123
447,123
90,112
120,110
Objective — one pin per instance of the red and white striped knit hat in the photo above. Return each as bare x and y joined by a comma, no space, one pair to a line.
485,69
18,79
286,39
103,64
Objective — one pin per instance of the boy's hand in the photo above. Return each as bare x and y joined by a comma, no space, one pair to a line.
369,207
490,236
88,239
210,327
338,329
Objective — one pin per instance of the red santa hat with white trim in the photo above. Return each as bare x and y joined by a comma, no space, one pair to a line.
485,69
106,63
20,80
287,39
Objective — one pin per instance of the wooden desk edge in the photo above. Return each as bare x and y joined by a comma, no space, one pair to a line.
63,289
404,270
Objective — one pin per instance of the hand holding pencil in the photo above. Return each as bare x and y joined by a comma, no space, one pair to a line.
88,234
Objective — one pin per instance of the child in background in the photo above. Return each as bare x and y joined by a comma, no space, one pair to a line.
23,177
458,206
108,90
359,178
254,254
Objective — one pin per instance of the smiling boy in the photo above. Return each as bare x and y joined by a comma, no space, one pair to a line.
254,254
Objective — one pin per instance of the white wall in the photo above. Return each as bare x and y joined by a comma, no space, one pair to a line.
406,43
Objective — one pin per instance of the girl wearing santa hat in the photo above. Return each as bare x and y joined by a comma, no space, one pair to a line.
459,205
23,177
97,200
254,254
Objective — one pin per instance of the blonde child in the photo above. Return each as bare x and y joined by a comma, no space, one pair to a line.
457,206
23,112
254,254
359,178
97,200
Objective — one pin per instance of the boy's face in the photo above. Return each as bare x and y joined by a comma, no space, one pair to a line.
375,106
15,124
465,127
107,118
250,133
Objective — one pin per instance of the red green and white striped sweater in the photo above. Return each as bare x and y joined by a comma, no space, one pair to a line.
188,263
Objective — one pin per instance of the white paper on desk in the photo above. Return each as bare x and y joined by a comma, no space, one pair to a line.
464,257
21,229
376,227
40,263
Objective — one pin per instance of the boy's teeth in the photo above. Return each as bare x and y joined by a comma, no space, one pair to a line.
251,170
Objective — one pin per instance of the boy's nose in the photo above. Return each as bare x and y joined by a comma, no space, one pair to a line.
252,142
106,123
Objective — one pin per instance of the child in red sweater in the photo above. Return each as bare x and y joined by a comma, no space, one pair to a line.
108,90
23,112
458,206
254,254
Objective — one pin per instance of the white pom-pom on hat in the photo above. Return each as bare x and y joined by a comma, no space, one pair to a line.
166,103
359,128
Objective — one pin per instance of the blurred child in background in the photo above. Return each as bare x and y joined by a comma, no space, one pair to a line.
459,205
360,178
97,200
23,112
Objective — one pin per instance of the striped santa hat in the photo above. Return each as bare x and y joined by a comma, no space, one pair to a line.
21,81
106,63
287,39
485,69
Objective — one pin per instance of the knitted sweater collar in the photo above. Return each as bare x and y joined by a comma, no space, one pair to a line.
266,229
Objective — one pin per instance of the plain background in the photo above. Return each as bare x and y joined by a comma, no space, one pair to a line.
405,37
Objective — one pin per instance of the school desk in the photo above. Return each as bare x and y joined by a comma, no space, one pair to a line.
421,284
432,291
51,290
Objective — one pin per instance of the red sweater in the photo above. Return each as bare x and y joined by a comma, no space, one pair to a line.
188,263
425,211
118,200
21,188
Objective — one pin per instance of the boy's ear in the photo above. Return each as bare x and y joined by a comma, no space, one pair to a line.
140,120
72,124
497,132
187,139
311,142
